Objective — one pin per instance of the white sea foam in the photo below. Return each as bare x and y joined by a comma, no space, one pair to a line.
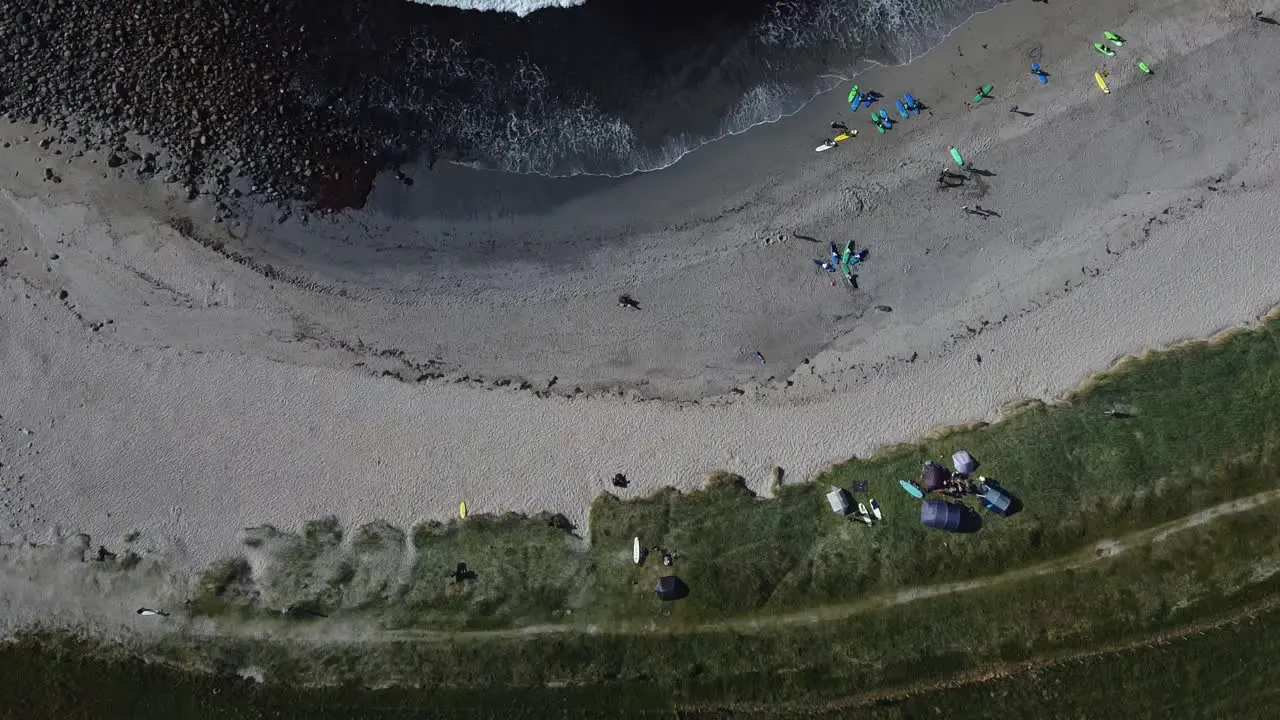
519,7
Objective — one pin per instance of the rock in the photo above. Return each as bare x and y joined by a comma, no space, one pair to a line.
114,161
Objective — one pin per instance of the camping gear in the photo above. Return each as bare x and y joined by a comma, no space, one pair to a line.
672,588
964,462
912,489
942,515
984,93
860,486
955,155
1104,49
994,498
1114,38
1102,83
875,509
934,477
841,502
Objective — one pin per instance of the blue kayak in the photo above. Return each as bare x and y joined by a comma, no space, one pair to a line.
884,118
912,105
902,110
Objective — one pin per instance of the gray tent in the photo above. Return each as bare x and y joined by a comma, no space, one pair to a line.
951,517
964,462
934,477
841,502
672,588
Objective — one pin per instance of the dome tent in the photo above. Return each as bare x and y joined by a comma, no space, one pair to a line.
934,477
671,587
964,463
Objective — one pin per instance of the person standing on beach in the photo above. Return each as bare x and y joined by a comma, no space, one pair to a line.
839,126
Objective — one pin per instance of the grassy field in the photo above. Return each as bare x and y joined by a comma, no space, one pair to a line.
796,612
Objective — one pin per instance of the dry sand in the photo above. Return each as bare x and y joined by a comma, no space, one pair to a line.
181,396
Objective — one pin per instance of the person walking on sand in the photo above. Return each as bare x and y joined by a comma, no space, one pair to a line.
839,126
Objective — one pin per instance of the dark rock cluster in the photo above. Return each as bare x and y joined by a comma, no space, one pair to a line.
222,87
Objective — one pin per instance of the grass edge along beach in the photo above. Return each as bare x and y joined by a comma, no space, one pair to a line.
1149,514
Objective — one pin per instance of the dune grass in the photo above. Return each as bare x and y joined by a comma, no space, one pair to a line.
793,607
1200,420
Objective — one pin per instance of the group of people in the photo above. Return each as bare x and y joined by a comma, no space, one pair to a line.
843,262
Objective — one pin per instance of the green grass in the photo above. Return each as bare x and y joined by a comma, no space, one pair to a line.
791,606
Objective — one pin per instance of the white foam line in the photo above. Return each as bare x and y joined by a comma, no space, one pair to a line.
840,80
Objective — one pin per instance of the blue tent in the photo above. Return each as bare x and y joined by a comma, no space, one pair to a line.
951,517
995,499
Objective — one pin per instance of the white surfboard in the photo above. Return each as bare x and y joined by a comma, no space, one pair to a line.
825,146
875,508
635,551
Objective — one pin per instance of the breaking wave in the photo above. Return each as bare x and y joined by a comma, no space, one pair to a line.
613,87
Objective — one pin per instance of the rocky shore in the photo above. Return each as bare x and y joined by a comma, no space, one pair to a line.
206,94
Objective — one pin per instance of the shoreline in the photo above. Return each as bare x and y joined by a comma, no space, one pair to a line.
183,397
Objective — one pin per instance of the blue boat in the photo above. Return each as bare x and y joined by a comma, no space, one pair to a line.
902,110
912,104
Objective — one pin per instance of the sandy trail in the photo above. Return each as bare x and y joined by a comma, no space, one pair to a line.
184,397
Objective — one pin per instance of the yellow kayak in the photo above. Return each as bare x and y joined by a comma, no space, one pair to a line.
1102,83
462,511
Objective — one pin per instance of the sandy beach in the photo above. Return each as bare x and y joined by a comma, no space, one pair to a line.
459,338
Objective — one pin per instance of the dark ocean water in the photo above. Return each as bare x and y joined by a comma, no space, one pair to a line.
615,86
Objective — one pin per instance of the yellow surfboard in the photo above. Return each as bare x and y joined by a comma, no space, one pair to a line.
462,511
1102,83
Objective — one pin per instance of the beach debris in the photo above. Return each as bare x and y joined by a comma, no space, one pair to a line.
620,481
148,612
